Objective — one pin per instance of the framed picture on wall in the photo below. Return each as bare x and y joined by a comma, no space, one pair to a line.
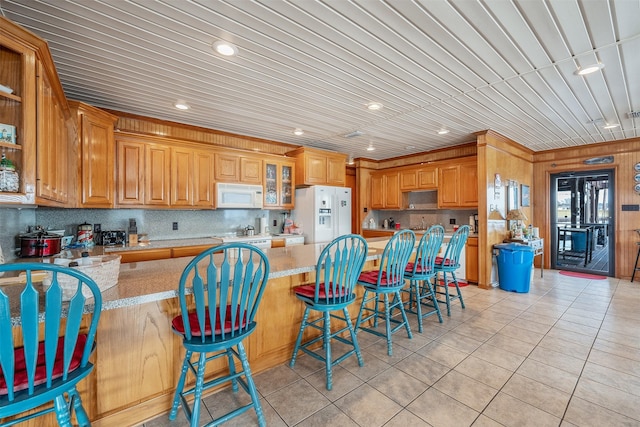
524,195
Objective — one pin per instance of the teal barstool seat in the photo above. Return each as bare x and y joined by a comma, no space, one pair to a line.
337,270
448,264
45,342
385,282
420,274
219,292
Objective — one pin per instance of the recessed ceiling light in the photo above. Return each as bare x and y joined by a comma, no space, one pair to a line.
375,106
582,71
182,105
610,125
410,147
225,48
443,131
298,131
371,147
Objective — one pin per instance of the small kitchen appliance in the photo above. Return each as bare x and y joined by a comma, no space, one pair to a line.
85,234
40,244
111,238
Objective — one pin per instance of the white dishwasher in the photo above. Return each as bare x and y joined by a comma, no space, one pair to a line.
294,240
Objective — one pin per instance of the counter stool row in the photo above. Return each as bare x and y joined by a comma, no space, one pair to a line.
338,271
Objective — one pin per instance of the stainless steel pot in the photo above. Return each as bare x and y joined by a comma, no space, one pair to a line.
249,230
40,244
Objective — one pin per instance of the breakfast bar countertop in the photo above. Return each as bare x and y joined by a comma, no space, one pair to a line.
141,282
149,281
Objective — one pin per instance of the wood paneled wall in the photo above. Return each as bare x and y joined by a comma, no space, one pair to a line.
499,155
172,130
625,154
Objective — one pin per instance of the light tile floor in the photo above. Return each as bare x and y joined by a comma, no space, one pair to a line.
567,353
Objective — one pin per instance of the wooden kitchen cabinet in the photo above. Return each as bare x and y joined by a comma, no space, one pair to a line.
319,167
53,145
419,178
385,190
191,177
96,157
157,167
409,179
130,172
18,52
471,260
235,167
458,185
469,184
279,184
143,255
366,233
428,178
203,178
179,175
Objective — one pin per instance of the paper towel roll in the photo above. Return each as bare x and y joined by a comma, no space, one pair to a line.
263,226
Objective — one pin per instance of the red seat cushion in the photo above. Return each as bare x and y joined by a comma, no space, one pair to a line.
178,324
441,261
21,380
309,291
371,277
419,269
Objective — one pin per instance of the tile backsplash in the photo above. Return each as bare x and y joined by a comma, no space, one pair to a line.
157,224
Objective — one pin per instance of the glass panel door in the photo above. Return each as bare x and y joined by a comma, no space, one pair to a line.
582,222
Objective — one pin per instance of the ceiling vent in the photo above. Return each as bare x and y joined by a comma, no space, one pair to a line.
634,115
354,134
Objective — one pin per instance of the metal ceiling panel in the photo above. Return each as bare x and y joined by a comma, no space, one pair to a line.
462,65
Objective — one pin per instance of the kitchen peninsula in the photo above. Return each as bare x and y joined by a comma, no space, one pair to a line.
138,357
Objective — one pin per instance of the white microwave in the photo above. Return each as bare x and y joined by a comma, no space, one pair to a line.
239,196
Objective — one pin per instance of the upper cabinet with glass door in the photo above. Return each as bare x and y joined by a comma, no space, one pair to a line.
17,116
279,184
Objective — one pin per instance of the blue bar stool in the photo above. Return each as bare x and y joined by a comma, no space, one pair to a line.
55,344
448,264
421,272
339,265
380,284
224,285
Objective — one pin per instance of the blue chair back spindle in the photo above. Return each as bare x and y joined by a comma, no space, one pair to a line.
44,344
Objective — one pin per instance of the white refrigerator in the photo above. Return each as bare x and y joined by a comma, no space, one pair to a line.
323,211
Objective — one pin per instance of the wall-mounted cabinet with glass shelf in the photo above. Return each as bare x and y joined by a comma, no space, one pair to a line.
33,102
279,184
17,116
18,108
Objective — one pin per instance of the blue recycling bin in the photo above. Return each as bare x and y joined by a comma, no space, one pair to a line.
515,262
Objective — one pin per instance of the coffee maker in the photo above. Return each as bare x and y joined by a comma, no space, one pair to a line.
473,223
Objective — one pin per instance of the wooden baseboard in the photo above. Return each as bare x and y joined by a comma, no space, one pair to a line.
138,414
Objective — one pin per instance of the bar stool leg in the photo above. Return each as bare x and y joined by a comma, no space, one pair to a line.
635,266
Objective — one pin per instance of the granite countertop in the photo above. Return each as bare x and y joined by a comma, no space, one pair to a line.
150,281
160,244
